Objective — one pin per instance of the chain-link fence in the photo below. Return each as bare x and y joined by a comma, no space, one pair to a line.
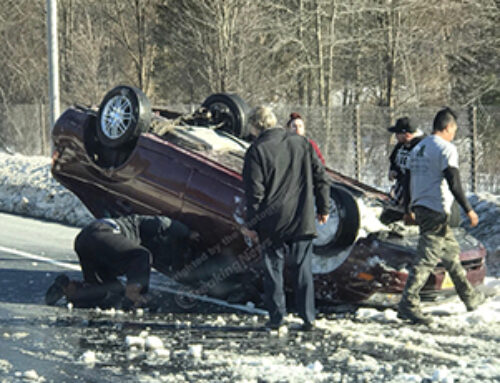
355,140
24,128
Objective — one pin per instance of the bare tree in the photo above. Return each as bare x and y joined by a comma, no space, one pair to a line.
130,26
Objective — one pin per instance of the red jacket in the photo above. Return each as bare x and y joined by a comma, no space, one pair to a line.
318,152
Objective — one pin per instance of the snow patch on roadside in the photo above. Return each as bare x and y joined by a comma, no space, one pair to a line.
28,188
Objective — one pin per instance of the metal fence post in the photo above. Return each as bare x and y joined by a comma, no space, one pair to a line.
357,142
473,146
43,137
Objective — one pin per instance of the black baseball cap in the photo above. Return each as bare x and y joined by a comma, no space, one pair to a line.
403,125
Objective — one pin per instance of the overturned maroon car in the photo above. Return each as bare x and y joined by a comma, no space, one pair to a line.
127,157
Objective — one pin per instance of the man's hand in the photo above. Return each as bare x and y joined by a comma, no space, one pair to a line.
473,218
322,218
252,234
409,219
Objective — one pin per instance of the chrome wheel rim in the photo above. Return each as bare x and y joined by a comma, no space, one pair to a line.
328,231
116,117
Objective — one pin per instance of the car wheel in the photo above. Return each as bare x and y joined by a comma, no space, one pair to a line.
124,113
342,226
229,110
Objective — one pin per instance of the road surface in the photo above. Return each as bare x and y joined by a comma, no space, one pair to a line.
217,343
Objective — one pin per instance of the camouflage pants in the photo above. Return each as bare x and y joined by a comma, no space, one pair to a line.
436,243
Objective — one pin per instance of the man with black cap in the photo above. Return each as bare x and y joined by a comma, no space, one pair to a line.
408,136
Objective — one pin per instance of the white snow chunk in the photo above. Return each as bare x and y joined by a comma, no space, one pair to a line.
442,375
390,315
19,335
408,378
195,350
139,312
111,312
161,353
88,357
282,331
31,375
5,366
134,341
309,346
219,321
316,366
153,343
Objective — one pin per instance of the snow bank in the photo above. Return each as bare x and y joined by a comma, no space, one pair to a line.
28,188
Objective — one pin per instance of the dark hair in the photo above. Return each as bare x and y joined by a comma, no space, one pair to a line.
443,118
293,116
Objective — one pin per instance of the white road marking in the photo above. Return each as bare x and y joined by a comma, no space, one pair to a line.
156,285
39,258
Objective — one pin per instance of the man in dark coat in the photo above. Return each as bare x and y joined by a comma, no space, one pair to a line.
112,247
283,180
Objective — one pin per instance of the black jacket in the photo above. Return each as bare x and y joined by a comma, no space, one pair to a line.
400,155
399,162
283,178
159,234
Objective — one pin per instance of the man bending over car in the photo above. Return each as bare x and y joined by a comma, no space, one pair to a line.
125,246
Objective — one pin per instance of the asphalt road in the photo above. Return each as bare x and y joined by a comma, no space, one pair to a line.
29,335
62,345
53,340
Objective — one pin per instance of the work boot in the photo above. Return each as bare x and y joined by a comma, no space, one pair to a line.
414,315
56,290
474,302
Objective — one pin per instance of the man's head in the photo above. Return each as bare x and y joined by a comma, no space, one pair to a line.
445,124
403,129
260,119
296,124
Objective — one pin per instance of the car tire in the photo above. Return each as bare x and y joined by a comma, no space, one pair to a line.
342,226
231,111
124,113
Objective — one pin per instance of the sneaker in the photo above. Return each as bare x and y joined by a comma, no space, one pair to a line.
307,326
476,301
413,315
56,290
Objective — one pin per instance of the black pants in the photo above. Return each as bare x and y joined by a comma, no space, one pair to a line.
299,256
105,254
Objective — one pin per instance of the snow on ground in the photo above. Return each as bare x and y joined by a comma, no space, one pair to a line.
27,188
372,346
